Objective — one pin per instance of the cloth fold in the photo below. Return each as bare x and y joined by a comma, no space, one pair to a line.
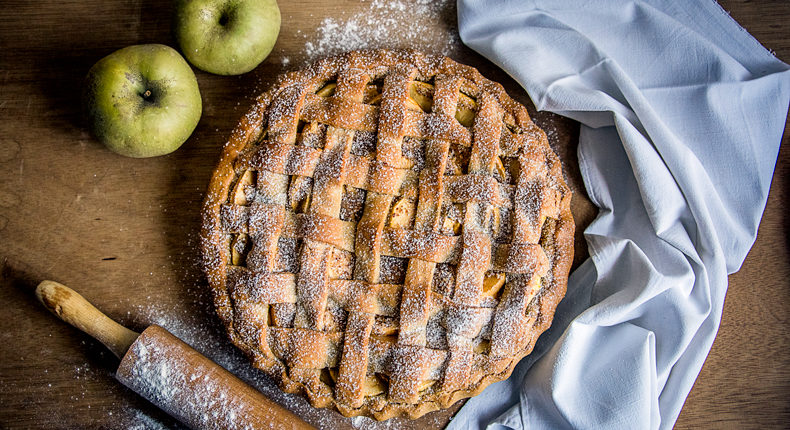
682,114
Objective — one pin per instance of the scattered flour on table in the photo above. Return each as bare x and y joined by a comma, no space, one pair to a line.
427,25
365,423
144,421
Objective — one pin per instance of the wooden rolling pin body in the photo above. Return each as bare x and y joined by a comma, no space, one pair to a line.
170,373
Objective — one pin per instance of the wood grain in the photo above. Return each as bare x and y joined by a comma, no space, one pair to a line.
125,230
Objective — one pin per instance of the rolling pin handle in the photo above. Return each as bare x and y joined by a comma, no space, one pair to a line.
72,308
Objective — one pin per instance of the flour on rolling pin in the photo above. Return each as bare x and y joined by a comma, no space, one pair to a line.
167,372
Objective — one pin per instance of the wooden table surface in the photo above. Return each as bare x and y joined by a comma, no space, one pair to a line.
123,231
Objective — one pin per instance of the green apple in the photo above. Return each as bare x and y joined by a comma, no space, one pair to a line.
142,100
226,37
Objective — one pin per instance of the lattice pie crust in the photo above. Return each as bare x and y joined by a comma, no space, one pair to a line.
387,233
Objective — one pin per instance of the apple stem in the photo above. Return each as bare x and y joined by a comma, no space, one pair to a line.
147,94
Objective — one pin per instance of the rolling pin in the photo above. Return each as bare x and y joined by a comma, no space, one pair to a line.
169,373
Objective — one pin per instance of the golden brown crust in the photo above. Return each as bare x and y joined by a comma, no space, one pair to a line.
387,232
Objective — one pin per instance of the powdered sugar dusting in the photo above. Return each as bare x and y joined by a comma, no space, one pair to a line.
426,25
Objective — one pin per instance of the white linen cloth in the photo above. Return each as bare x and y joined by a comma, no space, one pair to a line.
682,114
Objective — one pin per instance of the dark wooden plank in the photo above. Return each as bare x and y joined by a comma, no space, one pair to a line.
123,231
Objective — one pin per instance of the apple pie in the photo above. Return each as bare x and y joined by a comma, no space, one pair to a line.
387,232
